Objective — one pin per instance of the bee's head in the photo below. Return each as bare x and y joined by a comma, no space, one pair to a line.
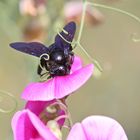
57,62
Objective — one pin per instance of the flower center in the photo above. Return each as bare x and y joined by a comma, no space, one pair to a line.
55,116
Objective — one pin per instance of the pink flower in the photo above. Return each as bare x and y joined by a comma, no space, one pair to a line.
42,109
27,126
73,11
30,123
27,7
97,128
32,7
59,86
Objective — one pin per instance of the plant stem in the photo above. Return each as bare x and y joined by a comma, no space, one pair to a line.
82,20
95,62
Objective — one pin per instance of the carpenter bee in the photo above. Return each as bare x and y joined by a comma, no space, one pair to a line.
56,59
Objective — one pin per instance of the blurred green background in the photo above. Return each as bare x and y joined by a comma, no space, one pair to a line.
116,93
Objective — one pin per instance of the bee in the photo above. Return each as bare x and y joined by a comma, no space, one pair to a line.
56,59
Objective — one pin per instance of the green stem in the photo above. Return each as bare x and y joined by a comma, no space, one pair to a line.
82,20
95,62
80,35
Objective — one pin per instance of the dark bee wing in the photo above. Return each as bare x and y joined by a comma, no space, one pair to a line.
33,48
66,36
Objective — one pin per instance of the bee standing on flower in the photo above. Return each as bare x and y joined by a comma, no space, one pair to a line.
59,63
55,59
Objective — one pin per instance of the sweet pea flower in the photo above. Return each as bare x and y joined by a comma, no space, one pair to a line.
32,7
47,111
27,126
59,86
35,27
97,128
73,11
38,114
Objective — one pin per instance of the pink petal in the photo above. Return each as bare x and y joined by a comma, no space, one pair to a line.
37,106
27,7
17,117
57,87
27,126
75,8
98,128
77,133
77,64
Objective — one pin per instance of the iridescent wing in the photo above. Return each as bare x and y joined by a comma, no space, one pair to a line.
33,48
65,37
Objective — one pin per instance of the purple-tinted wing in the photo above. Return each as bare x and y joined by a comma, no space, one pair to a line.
68,34
33,48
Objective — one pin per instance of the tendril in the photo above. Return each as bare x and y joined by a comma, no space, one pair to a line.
117,10
95,62
60,104
44,54
80,35
64,108
82,21
73,43
85,3
45,74
77,43
133,37
4,93
64,117
61,117
67,127
58,32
